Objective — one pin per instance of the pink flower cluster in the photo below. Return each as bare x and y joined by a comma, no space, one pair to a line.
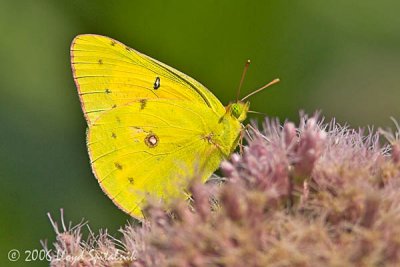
319,194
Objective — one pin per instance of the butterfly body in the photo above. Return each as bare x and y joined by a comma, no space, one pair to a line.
150,126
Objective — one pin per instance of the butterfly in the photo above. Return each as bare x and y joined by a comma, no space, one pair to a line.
149,125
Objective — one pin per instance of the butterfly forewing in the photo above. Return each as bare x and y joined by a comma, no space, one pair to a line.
109,74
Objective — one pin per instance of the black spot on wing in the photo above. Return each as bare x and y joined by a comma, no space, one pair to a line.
113,135
157,83
131,180
100,61
113,43
118,165
143,103
107,91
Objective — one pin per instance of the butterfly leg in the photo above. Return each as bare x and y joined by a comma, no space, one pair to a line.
246,131
241,137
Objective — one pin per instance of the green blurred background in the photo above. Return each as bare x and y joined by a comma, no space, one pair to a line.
342,57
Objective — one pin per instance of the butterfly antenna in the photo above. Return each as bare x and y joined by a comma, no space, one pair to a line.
246,66
262,88
256,112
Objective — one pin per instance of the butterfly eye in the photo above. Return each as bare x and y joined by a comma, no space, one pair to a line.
236,110
239,110
156,83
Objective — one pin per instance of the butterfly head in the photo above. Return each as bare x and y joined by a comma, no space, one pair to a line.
238,110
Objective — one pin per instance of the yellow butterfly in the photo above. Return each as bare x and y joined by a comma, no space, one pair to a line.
148,124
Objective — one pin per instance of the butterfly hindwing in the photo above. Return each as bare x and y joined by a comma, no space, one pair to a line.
134,148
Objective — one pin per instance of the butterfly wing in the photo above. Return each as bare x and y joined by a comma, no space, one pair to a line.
147,147
108,74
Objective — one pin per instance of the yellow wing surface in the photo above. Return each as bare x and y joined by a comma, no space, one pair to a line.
150,126
109,74
149,148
